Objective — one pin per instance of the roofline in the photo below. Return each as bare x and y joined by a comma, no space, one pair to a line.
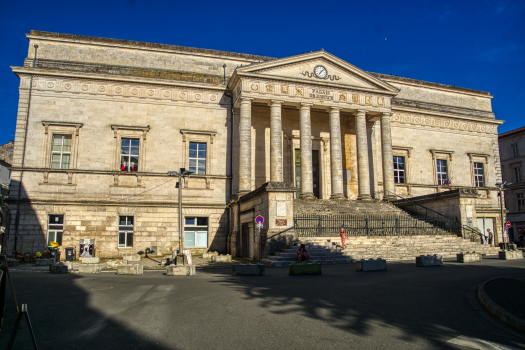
512,132
132,43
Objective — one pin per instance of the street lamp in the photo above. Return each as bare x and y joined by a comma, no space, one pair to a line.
182,173
501,188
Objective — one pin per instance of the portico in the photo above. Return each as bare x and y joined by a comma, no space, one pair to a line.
330,112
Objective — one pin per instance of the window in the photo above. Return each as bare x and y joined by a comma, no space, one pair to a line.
129,154
517,175
520,201
197,158
196,232
399,170
442,172
61,152
515,150
125,232
55,229
479,180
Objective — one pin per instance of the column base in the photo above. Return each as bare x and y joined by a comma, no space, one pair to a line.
364,197
308,196
338,197
389,198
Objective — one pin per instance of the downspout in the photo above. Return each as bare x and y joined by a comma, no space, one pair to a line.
17,218
230,229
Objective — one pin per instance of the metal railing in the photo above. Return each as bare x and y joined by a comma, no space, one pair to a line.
274,243
372,225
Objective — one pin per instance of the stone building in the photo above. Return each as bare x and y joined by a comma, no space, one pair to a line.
107,119
512,153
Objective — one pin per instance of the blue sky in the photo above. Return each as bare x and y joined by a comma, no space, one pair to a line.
473,44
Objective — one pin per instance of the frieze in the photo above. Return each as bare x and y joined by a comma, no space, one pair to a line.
445,123
115,89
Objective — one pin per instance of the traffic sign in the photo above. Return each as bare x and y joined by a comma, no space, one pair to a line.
508,224
259,219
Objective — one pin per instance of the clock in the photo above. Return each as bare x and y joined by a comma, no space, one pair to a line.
320,72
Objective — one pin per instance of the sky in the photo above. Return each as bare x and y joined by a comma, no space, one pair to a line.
474,44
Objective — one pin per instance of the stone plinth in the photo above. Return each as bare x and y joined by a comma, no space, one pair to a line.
91,260
180,270
469,257
131,257
43,262
134,269
248,270
510,254
113,264
429,260
209,254
58,268
222,258
371,265
187,254
90,268
305,269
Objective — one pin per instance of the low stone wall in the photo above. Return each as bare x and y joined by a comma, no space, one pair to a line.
510,254
429,260
248,269
131,257
222,258
371,265
92,260
90,268
135,269
180,270
469,257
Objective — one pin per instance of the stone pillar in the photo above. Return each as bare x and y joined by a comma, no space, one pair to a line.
336,157
245,147
307,185
362,156
388,158
276,142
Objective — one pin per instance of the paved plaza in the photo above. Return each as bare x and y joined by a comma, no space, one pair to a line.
402,308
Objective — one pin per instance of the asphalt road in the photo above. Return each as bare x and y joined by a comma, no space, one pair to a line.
402,308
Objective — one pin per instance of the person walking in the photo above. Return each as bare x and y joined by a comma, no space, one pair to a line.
491,236
343,236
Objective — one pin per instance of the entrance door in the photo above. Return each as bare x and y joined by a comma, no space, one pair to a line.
247,241
485,224
315,172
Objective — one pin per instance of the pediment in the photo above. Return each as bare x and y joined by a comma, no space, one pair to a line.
300,68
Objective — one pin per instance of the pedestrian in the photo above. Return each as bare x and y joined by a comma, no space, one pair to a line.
522,240
490,236
302,253
342,234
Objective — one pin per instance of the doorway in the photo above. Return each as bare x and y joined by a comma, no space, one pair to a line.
315,172
485,224
247,240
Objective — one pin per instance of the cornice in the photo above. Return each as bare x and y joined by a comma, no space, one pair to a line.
447,115
414,105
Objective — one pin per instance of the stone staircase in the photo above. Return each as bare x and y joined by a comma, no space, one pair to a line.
328,250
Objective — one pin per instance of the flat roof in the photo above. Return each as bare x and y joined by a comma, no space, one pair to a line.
512,132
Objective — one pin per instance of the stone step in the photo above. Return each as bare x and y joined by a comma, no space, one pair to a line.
274,263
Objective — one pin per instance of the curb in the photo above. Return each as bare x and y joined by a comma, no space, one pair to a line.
497,311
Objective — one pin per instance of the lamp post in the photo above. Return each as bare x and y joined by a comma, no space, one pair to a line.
180,174
501,188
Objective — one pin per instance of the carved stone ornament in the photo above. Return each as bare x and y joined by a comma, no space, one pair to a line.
342,97
269,88
284,89
368,100
299,92
355,98
254,87
380,101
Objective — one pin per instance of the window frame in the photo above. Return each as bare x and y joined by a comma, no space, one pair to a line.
197,158
60,128
445,156
196,230
130,132
516,174
520,202
61,153
477,175
514,150
400,172
124,229
129,155
440,177
199,136
55,230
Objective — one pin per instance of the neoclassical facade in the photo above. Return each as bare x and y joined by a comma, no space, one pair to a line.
102,121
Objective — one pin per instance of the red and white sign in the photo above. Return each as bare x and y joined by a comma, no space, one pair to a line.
259,219
508,224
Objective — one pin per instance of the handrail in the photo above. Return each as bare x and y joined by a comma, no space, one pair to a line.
277,234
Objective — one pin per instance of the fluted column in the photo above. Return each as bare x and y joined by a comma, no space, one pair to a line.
336,157
276,142
388,159
307,185
245,147
362,156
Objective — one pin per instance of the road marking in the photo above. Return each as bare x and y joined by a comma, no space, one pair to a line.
480,344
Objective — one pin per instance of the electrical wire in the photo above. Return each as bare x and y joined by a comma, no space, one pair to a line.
138,194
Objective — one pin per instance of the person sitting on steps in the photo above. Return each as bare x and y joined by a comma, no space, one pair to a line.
302,253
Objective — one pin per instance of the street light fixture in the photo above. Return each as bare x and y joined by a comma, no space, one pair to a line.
501,188
182,173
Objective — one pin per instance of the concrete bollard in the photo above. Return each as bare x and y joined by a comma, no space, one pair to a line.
180,270
305,269
43,262
469,257
248,270
222,258
187,254
371,265
134,269
90,260
429,260
208,255
58,268
113,264
90,268
510,254
131,257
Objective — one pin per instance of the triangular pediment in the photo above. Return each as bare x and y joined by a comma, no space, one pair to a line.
332,71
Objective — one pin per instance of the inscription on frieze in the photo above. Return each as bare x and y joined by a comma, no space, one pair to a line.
321,94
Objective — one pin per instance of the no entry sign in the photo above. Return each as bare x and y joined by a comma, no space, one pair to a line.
508,224
259,219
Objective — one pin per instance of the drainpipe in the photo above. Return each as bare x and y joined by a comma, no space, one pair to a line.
17,218
230,219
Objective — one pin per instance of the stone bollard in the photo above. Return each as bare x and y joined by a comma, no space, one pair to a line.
248,269
371,265
134,269
90,260
113,264
180,270
131,257
187,254
43,262
429,260
469,257
208,255
222,258
58,268
90,268
314,268
510,254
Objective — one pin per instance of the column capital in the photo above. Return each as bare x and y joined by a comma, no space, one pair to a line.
246,100
334,109
386,115
306,106
361,112
276,102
